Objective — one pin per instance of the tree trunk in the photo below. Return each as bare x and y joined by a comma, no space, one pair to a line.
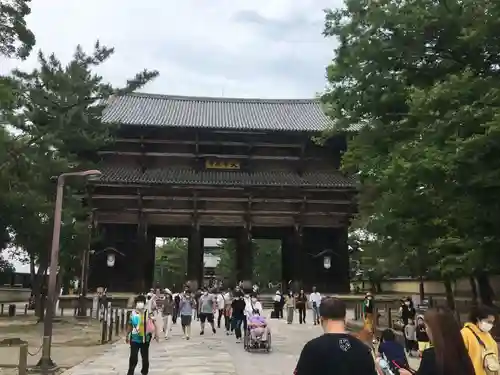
485,290
421,288
379,287
473,288
37,287
450,298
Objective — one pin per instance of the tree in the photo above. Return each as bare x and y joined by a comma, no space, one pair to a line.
171,261
57,111
266,261
419,79
6,271
16,40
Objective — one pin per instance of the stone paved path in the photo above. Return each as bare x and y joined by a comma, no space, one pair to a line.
209,354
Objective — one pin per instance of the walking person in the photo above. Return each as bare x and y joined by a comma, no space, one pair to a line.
368,310
411,344
237,315
168,312
227,311
336,351
207,303
448,354
480,344
140,331
177,300
301,306
290,307
187,305
277,305
315,301
422,336
220,307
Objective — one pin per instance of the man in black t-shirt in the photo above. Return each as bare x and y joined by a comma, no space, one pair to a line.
336,352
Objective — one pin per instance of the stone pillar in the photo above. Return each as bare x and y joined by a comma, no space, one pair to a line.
195,259
244,259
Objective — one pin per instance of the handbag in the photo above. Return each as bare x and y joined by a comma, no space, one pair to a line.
488,356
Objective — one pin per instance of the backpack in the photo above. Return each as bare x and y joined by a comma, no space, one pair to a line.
488,356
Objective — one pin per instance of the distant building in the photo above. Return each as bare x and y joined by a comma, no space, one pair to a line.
211,259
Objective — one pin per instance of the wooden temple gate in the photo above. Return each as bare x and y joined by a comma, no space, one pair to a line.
218,167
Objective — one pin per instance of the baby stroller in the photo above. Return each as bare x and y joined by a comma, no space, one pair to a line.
257,335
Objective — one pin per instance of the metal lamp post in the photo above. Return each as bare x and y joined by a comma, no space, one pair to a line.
46,361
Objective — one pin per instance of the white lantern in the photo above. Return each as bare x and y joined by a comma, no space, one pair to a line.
110,260
327,262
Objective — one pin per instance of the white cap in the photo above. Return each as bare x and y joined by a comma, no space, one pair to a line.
168,291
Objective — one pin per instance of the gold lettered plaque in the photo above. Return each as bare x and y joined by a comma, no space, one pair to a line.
222,164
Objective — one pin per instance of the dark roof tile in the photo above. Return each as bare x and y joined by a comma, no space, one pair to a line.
305,115
127,175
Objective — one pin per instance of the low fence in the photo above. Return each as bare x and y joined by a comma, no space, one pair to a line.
112,322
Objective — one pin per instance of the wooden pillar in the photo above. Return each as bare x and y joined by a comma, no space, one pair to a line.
195,258
297,258
286,262
244,258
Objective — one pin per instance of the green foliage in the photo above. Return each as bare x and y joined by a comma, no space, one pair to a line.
6,271
266,261
16,40
171,262
55,111
423,78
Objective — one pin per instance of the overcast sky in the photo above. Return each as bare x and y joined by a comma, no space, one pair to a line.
235,48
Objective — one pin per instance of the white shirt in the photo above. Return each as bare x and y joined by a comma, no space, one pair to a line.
277,298
315,297
250,306
220,301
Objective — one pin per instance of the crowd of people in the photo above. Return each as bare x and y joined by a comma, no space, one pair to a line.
445,348
156,312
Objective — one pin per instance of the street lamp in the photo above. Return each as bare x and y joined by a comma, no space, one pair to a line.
45,361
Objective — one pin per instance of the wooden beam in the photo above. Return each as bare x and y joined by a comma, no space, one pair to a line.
207,143
227,212
191,155
220,188
222,199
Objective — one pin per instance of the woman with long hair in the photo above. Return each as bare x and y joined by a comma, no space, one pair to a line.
447,355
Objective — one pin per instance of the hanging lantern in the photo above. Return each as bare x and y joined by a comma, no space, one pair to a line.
327,262
110,260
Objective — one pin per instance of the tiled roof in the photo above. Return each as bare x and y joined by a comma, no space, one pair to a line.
127,175
217,113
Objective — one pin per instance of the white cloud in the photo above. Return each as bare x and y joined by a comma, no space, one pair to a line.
259,48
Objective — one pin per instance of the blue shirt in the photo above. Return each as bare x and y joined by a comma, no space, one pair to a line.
138,327
393,351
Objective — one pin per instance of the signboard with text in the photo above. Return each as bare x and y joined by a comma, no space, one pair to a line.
222,164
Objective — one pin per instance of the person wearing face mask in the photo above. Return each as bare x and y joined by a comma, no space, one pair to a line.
140,331
336,351
482,348
186,308
207,305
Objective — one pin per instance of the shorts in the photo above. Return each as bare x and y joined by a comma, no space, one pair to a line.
206,317
186,320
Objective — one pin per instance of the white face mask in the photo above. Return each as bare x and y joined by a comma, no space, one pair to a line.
485,326
205,293
254,300
139,305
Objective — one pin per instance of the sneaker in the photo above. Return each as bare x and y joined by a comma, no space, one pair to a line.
213,331
227,333
187,337
202,332
238,341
